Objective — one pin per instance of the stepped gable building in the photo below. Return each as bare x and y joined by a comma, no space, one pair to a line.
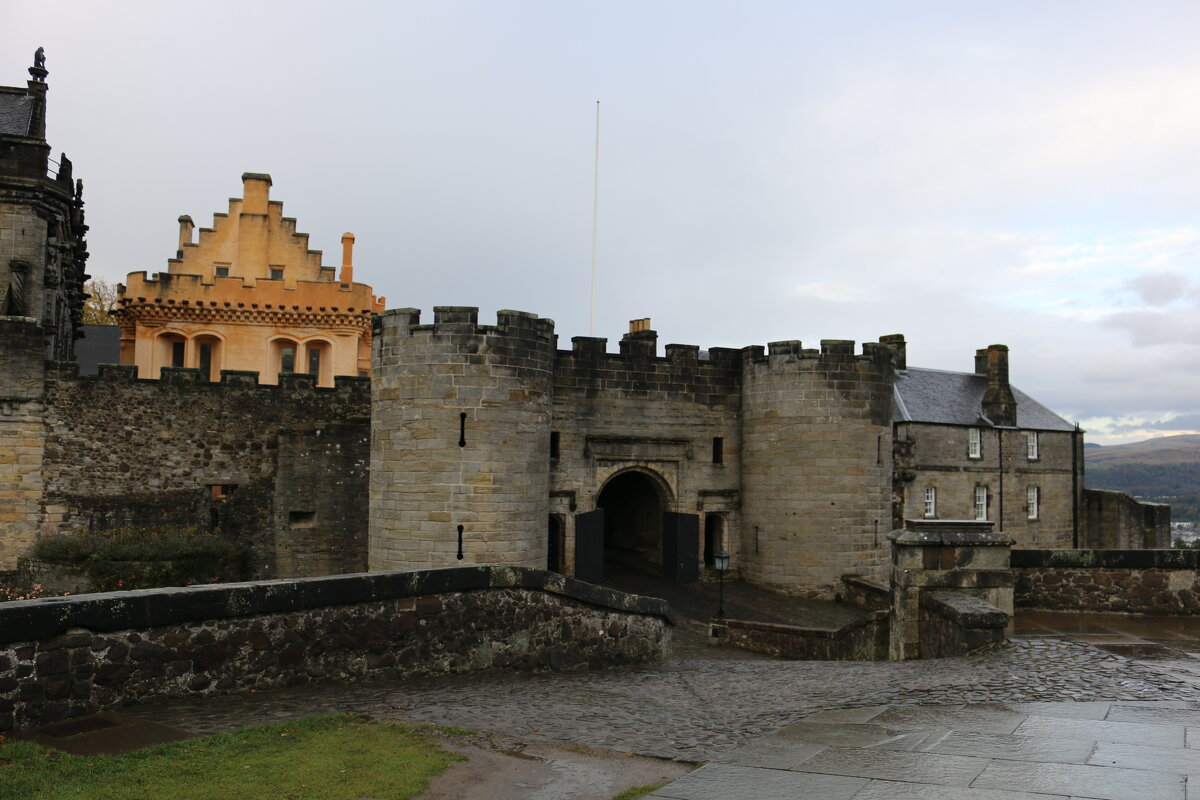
971,447
249,295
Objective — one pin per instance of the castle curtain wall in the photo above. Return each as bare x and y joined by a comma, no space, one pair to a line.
125,451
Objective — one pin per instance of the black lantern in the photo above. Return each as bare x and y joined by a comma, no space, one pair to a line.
721,564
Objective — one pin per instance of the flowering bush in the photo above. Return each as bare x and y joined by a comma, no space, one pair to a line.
10,593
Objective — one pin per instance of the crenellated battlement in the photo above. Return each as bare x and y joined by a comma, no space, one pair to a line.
833,354
465,320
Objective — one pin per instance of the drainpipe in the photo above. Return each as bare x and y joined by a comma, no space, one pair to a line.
1075,488
1000,468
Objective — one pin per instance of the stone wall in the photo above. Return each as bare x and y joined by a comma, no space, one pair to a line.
65,657
122,451
865,639
1116,521
22,435
954,624
1129,581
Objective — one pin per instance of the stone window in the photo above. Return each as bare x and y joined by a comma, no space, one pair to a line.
930,502
1032,450
177,351
718,454
222,272
1033,501
276,273
974,443
981,502
554,444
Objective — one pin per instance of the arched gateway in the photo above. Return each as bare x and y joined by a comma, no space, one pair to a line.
633,526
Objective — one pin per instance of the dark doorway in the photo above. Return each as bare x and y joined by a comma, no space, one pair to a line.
589,546
633,518
712,538
555,538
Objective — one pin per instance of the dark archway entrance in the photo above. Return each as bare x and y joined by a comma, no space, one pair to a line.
633,505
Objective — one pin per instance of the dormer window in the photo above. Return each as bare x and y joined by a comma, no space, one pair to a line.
974,443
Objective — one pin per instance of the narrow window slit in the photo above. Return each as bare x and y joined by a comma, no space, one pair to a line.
460,531
462,442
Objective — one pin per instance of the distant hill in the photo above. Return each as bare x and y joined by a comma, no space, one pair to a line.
1166,469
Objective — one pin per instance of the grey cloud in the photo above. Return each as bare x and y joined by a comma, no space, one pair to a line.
1160,288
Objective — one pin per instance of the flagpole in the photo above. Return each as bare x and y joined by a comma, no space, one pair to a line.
595,217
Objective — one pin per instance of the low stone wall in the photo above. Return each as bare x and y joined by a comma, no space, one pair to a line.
1132,581
68,656
954,624
862,640
1116,521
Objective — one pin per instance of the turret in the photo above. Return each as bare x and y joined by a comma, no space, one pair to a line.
816,464
460,415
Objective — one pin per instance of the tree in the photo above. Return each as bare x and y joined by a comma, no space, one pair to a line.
101,301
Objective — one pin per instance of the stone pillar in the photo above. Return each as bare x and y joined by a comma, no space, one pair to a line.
940,556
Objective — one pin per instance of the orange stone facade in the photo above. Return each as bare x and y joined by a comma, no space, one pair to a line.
249,295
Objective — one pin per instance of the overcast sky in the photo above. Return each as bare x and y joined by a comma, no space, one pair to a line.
1026,173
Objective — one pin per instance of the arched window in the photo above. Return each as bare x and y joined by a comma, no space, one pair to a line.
170,350
207,350
284,354
318,361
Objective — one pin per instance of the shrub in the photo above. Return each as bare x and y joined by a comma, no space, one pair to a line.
136,544
142,558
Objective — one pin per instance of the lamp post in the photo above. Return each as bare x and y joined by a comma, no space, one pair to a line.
721,563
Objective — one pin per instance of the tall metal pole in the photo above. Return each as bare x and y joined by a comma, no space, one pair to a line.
595,217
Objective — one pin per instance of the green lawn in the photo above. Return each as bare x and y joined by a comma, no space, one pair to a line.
321,757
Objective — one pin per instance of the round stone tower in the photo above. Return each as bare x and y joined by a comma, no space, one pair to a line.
816,465
460,439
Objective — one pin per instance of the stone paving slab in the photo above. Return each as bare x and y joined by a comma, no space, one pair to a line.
1090,730
1105,783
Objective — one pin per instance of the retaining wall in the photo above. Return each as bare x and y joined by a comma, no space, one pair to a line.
1133,581
69,656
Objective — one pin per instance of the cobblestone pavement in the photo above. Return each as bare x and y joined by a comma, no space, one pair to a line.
694,710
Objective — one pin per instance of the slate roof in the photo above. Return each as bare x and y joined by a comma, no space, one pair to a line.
956,398
16,111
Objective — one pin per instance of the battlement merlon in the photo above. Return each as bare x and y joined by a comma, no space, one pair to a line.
465,320
234,292
833,352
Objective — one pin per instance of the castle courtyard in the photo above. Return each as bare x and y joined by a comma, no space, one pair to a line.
1053,714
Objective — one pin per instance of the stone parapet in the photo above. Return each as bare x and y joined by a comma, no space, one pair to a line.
65,657
959,557
1127,581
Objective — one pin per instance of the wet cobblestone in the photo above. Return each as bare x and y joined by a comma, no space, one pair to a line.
695,709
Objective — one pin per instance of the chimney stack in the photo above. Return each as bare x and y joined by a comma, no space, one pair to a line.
641,341
999,404
899,348
185,232
256,192
347,258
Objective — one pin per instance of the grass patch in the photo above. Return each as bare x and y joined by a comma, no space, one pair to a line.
322,757
637,791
